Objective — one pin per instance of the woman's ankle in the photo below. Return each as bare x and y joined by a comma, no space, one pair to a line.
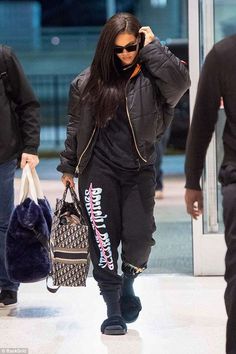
112,300
127,285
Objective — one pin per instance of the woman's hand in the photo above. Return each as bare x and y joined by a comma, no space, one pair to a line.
68,178
149,35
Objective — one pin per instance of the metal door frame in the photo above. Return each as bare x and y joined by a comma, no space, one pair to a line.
208,249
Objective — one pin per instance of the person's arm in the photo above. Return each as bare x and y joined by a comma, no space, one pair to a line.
170,74
202,127
204,118
68,157
26,106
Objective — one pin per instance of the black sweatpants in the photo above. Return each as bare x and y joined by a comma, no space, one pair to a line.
119,205
227,177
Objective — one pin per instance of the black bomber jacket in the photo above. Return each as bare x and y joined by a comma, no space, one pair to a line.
159,81
19,109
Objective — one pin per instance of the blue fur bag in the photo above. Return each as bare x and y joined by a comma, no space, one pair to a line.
27,241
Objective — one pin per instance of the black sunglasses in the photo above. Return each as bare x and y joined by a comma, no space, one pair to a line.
129,48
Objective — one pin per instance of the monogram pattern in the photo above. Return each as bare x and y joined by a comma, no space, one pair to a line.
69,274
70,237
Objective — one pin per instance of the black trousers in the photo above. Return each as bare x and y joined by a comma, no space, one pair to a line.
227,177
160,151
119,206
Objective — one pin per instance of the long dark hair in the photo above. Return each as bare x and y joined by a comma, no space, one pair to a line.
103,90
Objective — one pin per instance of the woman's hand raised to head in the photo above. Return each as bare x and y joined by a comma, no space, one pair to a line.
67,178
149,35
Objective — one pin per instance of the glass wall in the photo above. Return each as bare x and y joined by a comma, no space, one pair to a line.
225,18
56,39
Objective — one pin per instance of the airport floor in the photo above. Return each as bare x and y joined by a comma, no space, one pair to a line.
182,314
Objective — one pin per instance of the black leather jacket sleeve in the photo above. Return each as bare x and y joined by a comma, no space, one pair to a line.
205,115
69,156
25,103
170,74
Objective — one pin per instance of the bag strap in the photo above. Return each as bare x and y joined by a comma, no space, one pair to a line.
52,288
74,196
75,200
42,239
37,184
49,280
72,193
30,184
65,192
27,185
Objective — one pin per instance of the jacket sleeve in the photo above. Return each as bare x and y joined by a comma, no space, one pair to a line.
170,74
68,157
25,102
204,118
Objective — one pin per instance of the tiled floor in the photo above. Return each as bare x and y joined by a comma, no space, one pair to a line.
181,315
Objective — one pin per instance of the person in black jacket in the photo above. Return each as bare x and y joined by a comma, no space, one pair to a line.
117,109
19,138
217,81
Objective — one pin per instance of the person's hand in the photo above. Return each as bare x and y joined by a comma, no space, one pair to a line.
32,160
149,35
194,202
68,178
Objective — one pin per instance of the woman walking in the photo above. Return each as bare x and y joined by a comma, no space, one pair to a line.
117,109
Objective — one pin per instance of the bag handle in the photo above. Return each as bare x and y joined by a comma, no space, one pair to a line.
37,184
72,192
49,283
75,200
30,184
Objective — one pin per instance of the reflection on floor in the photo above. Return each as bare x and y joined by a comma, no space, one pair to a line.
181,315
173,250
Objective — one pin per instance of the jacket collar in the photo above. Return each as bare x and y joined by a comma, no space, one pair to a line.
137,69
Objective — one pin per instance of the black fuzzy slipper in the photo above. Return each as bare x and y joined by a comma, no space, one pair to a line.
114,325
130,306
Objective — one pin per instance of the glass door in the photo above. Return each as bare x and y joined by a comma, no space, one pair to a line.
209,22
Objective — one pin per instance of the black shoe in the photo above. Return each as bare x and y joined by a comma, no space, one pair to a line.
130,306
114,325
8,298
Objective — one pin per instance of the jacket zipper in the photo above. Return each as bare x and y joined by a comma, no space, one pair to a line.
86,148
132,130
